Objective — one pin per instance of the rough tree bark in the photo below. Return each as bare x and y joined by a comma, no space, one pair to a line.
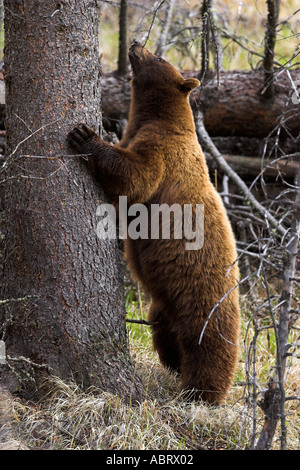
205,40
63,306
123,48
270,41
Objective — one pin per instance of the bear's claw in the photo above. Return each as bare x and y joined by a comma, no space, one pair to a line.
80,137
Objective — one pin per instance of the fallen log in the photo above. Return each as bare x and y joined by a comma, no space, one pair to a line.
232,106
253,167
236,106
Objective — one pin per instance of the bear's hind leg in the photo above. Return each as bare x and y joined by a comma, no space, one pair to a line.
206,375
165,341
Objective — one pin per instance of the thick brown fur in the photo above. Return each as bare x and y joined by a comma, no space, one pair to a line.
159,160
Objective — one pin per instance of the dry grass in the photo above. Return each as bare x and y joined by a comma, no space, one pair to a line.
70,419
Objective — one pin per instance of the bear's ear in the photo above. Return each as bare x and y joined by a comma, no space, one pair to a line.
189,84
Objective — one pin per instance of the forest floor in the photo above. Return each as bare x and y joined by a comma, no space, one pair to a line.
70,419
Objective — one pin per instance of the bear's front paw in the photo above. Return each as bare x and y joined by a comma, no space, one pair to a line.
80,139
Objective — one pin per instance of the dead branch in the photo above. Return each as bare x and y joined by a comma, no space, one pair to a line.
155,11
142,322
162,41
274,400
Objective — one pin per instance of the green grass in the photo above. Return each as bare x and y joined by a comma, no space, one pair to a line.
136,308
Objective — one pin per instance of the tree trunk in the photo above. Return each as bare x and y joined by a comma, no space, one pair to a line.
270,42
63,309
232,107
205,40
123,48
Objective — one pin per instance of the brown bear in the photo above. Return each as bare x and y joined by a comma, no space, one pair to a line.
194,299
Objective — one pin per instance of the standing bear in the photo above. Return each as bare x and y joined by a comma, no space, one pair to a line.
194,302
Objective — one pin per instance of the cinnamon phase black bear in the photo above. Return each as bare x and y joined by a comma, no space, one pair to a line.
194,298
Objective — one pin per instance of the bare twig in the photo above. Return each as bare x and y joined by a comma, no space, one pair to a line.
155,11
10,156
142,322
